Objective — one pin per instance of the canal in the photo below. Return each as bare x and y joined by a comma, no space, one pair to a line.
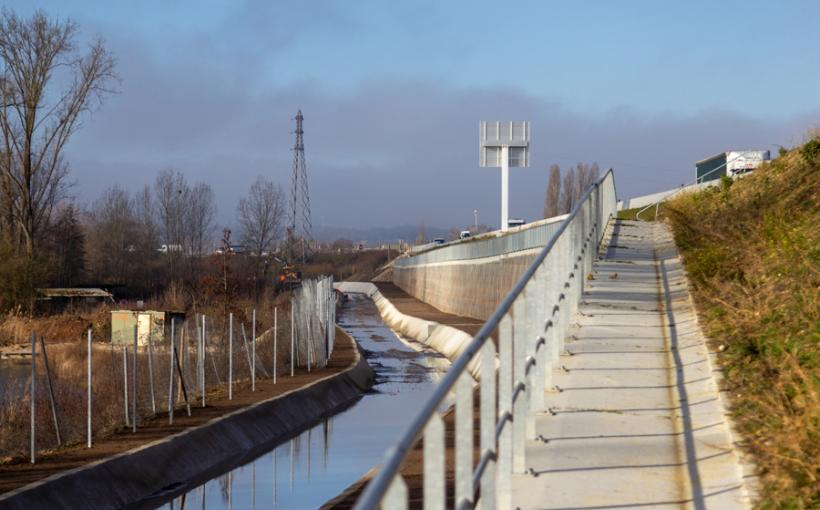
317,465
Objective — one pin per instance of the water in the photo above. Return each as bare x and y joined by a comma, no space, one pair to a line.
320,463
14,376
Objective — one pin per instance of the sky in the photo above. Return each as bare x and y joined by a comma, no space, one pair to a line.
393,93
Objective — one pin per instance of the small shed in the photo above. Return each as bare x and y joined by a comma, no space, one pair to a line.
151,323
729,163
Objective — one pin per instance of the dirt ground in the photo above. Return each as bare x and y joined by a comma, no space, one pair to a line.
412,467
20,472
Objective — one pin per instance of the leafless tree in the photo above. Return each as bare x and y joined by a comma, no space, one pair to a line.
200,211
113,230
568,193
261,216
38,115
551,201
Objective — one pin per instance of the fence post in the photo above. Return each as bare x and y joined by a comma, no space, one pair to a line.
134,384
33,388
204,350
125,383
253,350
151,371
51,392
292,340
88,420
275,332
230,356
171,377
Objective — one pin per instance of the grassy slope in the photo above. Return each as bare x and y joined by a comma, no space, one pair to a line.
752,250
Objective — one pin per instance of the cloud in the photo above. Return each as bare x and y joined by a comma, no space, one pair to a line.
390,151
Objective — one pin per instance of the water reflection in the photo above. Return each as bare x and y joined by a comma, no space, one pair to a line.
318,464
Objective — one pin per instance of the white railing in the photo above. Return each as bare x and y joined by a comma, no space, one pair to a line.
530,325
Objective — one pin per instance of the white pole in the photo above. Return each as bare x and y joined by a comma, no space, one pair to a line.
253,350
134,384
292,340
125,381
33,388
171,378
275,331
204,350
230,356
505,188
88,420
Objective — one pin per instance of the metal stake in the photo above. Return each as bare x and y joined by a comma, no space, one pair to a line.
275,332
134,385
151,372
33,388
51,392
230,356
88,420
253,350
125,383
171,378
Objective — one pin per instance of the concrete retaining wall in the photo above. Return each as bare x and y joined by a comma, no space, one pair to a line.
472,288
147,476
446,340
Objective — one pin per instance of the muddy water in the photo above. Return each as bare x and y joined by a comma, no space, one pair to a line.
15,375
317,465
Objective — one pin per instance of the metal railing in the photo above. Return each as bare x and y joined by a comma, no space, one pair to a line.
525,239
531,324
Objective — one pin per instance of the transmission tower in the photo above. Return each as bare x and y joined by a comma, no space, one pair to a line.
300,230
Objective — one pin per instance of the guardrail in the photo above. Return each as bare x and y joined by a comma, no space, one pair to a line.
530,325
528,237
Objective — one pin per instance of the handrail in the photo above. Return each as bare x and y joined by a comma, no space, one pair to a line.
591,202
698,180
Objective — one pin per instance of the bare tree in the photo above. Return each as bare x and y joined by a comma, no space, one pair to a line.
200,211
568,193
39,116
594,173
261,216
113,230
171,192
551,201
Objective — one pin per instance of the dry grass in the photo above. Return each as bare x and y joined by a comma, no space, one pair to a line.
67,357
752,250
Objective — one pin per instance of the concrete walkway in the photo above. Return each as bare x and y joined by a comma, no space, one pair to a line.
638,421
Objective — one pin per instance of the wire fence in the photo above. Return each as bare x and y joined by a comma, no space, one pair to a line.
78,391
314,316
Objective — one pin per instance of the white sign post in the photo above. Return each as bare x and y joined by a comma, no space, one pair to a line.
504,144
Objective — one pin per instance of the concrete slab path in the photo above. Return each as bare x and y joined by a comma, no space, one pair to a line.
637,421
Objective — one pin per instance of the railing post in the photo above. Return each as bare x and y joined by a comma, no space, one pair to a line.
520,403
434,475
505,439
534,350
396,496
487,421
464,439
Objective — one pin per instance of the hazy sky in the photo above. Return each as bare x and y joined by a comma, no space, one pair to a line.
392,93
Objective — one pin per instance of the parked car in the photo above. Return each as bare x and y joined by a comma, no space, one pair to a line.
439,240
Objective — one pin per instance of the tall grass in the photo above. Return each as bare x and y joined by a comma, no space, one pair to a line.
68,364
752,250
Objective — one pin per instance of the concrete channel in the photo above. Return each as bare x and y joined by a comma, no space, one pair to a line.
313,467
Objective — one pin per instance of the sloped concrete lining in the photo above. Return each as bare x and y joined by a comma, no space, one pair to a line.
469,288
446,340
637,420
147,476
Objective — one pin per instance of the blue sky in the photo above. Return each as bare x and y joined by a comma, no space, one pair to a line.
392,93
